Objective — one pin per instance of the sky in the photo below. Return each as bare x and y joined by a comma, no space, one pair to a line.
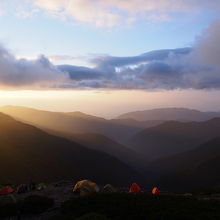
107,57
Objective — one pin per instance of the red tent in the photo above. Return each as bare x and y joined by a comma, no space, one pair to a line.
135,188
155,191
6,190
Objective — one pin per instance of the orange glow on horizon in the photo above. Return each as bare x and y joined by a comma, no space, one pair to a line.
110,103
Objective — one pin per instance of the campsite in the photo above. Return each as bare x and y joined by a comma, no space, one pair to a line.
58,201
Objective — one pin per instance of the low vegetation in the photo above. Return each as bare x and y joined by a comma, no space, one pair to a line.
30,205
141,206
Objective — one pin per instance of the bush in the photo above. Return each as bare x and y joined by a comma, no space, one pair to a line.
90,216
93,216
30,205
206,191
35,204
7,208
141,206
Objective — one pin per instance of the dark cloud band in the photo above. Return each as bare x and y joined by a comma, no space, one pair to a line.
197,68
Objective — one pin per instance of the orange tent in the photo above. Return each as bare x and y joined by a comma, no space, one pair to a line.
86,187
6,190
135,188
155,191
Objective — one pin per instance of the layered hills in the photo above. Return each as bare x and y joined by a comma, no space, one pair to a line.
74,122
195,169
174,137
29,153
170,114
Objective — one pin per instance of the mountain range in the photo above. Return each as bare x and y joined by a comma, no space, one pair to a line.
195,169
73,122
104,144
174,155
30,153
174,137
170,114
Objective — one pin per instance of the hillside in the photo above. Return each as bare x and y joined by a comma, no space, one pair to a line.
29,153
194,169
174,137
136,123
170,114
85,116
104,144
74,122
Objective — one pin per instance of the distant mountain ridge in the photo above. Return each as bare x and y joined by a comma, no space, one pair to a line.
101,143
170,114
194,169
28,153
77,122
83,115
174,155
174,137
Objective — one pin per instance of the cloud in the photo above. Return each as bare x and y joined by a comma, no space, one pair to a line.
146,71
113,12
146,57
207,50
182,68
66,58
27,73
109,12
79,73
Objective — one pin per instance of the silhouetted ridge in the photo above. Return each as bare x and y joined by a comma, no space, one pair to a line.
78,122
29,153
194,169
166,114
174,137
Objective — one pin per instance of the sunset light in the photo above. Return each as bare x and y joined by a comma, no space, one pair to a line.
110,109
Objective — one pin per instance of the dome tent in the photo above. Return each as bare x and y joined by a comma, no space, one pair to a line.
108,188
85,187
6,190
155,191
135,188
41,186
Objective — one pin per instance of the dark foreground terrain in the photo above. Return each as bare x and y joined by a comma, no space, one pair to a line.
60,203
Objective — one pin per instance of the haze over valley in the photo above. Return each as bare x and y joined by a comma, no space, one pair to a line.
147,148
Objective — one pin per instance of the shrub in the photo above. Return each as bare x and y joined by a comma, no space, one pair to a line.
141,206
30,205
92,216
35,204
7,208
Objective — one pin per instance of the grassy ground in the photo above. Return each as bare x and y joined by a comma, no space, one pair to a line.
127,206
60,203
31,205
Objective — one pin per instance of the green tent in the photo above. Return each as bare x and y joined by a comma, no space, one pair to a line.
41,186
109,189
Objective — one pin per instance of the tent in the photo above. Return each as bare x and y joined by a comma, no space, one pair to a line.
41,186
22,188
135,188
6,190
109,189
85,187
31,185
155,191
